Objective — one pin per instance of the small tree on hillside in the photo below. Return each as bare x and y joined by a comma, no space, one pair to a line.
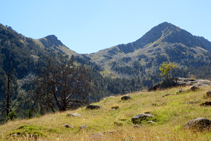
62,85
166,69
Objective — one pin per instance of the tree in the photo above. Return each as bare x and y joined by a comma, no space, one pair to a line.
166,69
8,89
63,84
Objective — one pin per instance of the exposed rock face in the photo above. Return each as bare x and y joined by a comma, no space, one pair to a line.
137,119
198,124
126,97
174,82
92,107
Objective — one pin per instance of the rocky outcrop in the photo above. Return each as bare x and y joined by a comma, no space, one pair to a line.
174,82
137,119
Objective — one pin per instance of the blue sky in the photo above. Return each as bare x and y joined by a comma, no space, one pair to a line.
87,26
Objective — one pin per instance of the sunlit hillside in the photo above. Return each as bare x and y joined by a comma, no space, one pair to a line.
170,112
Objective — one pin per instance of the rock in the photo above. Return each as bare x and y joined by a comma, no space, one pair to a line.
174,82
83,127
92,107
165,95
137,119
73,115
15,135
115,107
151,122
198,124
97,136
67,126
118,123
109,132
180,91
194,88
208,103
126,97
137,126
209,94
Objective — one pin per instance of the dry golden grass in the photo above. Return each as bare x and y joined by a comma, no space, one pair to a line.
171,112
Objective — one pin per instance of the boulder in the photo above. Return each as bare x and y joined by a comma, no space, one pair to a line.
194,88
126,97
198,124
67,126
208,103
115,107
209,94
92,107
73,115
137,119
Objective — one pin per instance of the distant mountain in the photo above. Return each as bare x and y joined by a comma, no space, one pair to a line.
51,42
164,42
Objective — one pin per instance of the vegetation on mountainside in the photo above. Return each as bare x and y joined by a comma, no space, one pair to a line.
143,57
122,69
171,113
166,69
27,57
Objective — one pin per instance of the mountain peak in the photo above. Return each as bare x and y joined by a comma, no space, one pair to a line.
165,25
51,39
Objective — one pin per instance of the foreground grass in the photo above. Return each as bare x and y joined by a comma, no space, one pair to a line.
171,112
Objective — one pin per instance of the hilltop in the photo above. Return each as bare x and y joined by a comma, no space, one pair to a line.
164,42
171,111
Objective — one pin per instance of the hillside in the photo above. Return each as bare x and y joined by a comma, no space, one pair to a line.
118,70
170,112
27,57
164,42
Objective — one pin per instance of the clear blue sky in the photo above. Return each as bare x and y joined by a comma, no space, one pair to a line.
87,26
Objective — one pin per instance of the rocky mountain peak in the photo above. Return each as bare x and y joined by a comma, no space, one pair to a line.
52,39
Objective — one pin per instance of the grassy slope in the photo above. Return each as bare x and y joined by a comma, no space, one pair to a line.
171,113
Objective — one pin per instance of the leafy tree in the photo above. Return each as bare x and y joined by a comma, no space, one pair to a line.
166,69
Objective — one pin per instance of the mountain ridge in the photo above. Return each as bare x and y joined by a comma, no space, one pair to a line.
165,40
